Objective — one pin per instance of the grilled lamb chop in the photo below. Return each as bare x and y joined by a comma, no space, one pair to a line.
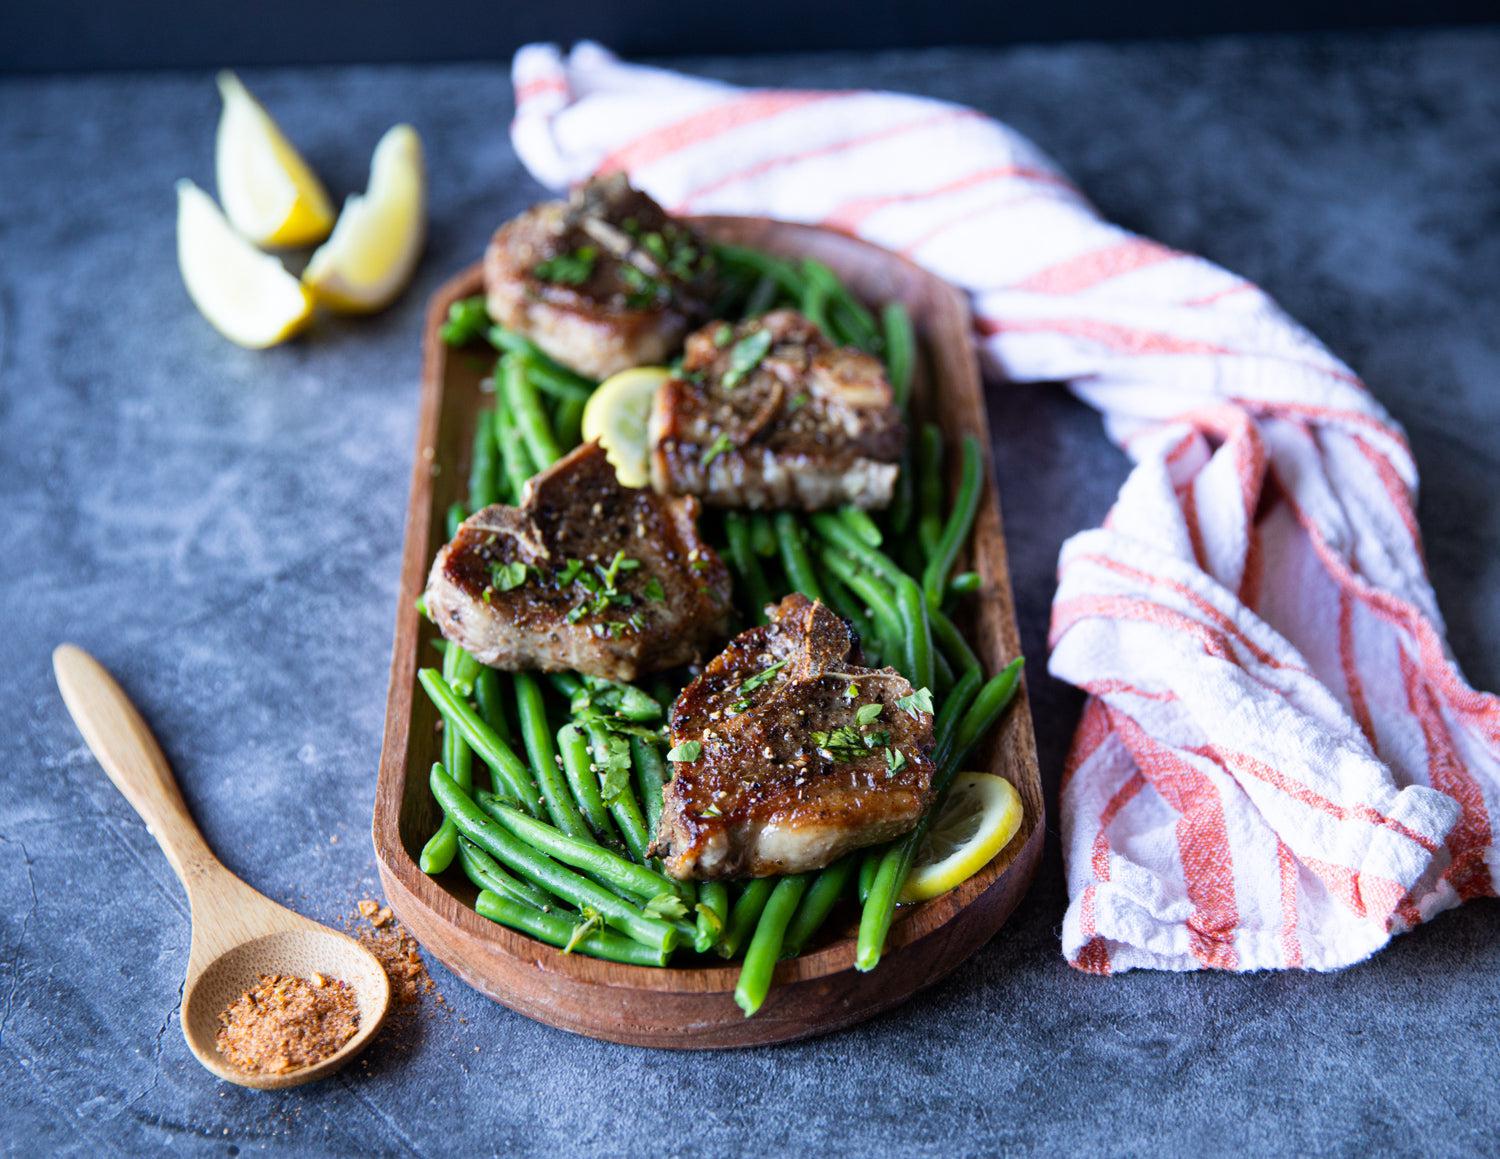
772,414
798,754
585,575
602,281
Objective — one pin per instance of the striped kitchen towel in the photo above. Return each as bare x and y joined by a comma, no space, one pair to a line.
1279,763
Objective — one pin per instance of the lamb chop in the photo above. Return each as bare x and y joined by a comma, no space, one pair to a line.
602,281
771,413
789,754
585,575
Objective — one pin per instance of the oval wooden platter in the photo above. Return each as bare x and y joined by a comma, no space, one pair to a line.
692,1007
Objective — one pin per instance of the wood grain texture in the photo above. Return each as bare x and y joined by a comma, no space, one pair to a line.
693,1008
238,934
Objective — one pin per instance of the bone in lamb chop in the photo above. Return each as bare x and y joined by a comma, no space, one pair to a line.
601,282
788,753
771,413
585,575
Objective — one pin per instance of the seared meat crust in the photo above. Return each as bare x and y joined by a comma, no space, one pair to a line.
602,281
807,425
764,796
533,587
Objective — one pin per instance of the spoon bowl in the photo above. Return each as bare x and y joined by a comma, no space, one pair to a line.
238,934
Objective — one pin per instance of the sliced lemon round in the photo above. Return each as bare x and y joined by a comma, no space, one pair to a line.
378,239
979,816
269,192
247,295
618,415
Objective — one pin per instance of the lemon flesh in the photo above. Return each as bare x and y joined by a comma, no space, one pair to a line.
375,245
618,416
268,190
247,295
979,816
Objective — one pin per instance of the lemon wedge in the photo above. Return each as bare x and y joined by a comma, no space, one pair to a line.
247,295
979,816
618,415
268,190
378,239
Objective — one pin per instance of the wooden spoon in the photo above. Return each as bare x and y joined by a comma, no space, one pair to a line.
238,934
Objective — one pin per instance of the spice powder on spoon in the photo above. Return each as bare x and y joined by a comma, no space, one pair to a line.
284,1023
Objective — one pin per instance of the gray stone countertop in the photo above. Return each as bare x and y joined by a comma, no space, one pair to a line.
223,528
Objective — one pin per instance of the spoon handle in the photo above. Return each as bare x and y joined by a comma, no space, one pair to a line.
122,742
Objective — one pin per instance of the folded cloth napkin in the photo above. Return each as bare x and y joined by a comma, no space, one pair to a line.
1279,763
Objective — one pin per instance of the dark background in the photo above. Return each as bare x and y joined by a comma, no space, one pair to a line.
72,35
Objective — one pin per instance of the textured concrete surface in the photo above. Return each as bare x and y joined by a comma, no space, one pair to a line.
223,529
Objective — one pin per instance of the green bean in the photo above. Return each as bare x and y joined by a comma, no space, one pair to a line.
491,703
847,604
903,502
862,525
713,915
549,376
762,534
465,671
765,946
569,423
853,324
965,583
484,463
951,640
441,848
742,555
876,595
468,318
570,684
868,866
960,523
822,895
650,779
515,460
744,914
487,873
526,408
794,557
556,930
916,632
895,862
420,603
541,870
578,766
900,350
607,868
762,297
536,734
930,488
622,806
814,306
835,532
785,274
502,760
954,705
625,701
455,515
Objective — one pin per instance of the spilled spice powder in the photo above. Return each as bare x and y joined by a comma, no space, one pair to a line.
284,1023
397,952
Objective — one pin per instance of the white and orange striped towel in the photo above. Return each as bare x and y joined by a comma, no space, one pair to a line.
1279,763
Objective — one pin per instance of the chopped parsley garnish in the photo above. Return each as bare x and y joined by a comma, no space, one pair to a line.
656,245
654,590
613,764
745,356
918,702
570,572
592,920
847,743
798,401
852,691
666,905
895,761
867,713
713,811
506,576
620,563
716,448
570,269
685,753
644,289
764,676
723,336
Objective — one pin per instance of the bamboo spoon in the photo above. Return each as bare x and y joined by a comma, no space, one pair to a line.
238,934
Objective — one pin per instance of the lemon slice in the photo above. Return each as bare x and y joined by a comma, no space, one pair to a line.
268,191
247,295
378,239
979,816
618,415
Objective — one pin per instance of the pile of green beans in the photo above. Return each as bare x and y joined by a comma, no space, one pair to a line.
558,845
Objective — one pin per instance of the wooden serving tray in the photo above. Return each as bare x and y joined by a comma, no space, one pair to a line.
693,1008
